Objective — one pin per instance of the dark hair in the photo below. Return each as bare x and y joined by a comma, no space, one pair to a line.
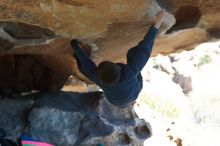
108,73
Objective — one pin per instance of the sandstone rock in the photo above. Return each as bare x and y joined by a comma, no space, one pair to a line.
5,45
186,17
25,31
121,26
214,32
24,73
46,27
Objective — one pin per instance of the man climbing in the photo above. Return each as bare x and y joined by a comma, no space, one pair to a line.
121,83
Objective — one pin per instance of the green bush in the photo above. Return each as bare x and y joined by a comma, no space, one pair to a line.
204,60
161,105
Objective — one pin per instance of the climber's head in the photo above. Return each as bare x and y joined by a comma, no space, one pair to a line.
108,73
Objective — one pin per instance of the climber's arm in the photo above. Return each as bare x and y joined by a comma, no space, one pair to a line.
138,56
86,66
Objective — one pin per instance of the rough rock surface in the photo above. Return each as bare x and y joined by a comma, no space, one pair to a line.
110,28
14,121
68,118
35,54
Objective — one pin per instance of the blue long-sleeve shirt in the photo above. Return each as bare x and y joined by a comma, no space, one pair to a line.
128,87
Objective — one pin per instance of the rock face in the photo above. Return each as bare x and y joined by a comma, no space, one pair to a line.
67,118
75,18
35,54
110,28
25,73
14,121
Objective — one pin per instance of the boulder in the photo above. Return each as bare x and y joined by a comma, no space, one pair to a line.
14,121
70,118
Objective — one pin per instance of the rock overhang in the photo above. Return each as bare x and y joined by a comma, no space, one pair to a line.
45,28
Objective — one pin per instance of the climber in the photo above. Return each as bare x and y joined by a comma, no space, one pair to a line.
121,83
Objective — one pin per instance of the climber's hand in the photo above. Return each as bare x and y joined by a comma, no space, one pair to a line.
75,43
159,17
